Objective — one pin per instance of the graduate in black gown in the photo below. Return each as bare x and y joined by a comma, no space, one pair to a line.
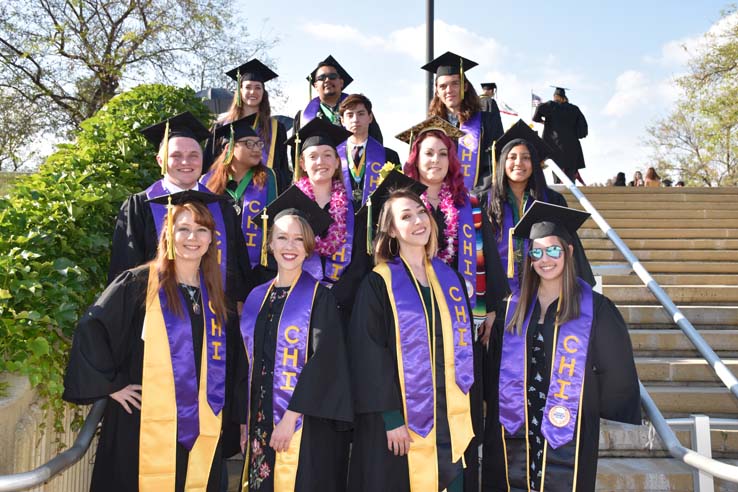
300,396
251,100
412,360
139,222
543,421
456,101
162,424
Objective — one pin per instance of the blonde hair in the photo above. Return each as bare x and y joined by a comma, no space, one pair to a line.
308,235
382,250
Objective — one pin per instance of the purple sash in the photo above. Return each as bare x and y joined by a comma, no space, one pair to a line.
502,244
468,150
313,108
160,213
292,338
179,334
467,255
254,201
375,159
567,375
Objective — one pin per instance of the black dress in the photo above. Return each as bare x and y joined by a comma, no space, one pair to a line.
107,355
610,391
322,395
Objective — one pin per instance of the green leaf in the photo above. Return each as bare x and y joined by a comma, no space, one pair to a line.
39,346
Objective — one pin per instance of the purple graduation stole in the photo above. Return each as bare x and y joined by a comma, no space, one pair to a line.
568,365
313,108
468,149
375,158
503,246
467,249
292,338
415,341
160,214
254,201
179,334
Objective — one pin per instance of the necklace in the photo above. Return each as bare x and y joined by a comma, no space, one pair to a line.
195,296
447,252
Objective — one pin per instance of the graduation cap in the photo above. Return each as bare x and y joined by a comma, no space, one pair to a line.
489,86
293,202
560,91
519,132
544,219
450,64
182,125
251,70
331,62
432,123
180,198
236,130
395,180
316,132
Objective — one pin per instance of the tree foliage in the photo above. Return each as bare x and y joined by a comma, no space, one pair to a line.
56,225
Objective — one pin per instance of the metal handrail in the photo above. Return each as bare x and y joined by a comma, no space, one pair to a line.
717,365
62,461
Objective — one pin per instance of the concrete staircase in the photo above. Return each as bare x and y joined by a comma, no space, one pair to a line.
687,238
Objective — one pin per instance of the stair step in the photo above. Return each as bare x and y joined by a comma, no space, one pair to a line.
644,216
697,315
605,204
654,266
677,279
693,399
712,232
659,244
679,369
631,294
666,255
650,475
671,223
673,341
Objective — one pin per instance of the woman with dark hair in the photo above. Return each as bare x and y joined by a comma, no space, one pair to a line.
619,179
150,343
251,100
299,390
518,181
456,101
562,361
412,361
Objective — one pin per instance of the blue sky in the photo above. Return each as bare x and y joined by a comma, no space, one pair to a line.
619,59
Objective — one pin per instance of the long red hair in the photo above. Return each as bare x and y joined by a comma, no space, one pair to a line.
454,178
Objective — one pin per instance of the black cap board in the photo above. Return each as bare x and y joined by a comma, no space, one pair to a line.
241,128
521,131
449,64
489,85
187,196
544,219
182,125
319,132
560,91
252,70
331,62
294,202
432,123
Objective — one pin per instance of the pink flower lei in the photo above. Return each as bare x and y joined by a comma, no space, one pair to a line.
447,252
336,235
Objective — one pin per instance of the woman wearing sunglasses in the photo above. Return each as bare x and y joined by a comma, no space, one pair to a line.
543,421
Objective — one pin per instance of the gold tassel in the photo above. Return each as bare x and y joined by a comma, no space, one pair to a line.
461,73
411,139
165,150
264,219
494,162
231,145
369,226
296,162
170,230
238,88
310,88
510,255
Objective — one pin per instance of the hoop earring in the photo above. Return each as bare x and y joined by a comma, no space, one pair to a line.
389,247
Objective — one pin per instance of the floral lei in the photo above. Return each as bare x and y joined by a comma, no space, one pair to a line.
336,235
451,218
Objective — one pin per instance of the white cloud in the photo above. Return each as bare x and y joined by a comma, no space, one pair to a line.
631,90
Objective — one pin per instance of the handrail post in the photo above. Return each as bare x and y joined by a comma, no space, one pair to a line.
701,442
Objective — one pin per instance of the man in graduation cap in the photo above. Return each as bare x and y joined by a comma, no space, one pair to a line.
489,91
561,361
563,126
456,101
362,156
140,222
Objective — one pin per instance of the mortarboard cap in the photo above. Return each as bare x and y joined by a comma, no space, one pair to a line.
241,128
432,123
331,62
449,64
489,86
182,125
318,132
521,131
294,199
252,70
544,219
560,91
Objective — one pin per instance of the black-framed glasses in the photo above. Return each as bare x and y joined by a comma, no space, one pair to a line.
324,76
251,144
554,252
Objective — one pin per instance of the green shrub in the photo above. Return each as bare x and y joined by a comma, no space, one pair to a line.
56,226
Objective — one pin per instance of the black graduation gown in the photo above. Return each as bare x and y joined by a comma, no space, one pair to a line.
491,131
135,242
489,105
610,391
107,355
376,386
563,127
322,394
374,131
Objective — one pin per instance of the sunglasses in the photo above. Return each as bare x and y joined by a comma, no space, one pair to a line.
328,76
551,251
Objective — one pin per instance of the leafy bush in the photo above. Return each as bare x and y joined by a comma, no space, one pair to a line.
56,226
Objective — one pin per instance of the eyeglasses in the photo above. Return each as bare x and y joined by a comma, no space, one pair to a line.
551,251
251,144
329,76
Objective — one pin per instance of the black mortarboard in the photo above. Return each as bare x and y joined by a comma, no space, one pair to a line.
294,199
522,131
449,64
182,125
544,219
252,70
331,62
318,132
559,91
432,123
489,86
241,128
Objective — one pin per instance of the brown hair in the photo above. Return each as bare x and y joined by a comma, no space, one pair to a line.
308,236
651,174
569,299
382,250
236,112
469,105
167,278
355,100
220,174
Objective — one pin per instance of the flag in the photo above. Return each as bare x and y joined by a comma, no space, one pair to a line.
505,109
535,100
